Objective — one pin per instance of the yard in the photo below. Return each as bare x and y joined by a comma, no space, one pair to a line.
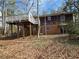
47,47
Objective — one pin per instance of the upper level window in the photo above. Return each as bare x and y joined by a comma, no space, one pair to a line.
62,18
49,18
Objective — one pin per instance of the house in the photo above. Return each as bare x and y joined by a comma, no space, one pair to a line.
55,23
50,24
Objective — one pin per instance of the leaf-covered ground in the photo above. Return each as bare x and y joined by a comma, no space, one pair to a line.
47,47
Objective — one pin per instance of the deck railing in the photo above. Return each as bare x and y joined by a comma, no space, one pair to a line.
16,18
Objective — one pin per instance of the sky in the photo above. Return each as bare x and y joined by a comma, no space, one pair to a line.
46,6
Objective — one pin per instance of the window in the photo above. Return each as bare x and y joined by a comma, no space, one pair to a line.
62,18
49,18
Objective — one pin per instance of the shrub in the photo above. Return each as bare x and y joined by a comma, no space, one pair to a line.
73,29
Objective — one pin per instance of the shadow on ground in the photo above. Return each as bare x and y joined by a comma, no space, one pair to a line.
9,37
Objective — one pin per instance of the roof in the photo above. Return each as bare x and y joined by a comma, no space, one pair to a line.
20,18
56,14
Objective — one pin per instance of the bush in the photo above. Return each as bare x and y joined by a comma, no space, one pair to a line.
73,29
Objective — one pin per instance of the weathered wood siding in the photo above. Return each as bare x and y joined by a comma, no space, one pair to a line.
52,25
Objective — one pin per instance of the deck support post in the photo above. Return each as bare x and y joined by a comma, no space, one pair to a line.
17,30
30,29
45,26
11,29
23,31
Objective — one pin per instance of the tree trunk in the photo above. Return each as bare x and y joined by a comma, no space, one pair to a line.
39,28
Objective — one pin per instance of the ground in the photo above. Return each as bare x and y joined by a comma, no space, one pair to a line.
46,47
